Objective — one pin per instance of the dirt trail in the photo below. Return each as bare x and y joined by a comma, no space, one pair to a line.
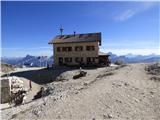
128,94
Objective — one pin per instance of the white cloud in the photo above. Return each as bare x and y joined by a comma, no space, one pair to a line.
133,10
125,15
133,51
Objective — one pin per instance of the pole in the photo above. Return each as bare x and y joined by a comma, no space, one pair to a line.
30,84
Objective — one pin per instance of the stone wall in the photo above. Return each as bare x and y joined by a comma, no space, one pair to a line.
9,86
5,90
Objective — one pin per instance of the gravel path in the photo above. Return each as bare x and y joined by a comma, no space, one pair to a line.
127,94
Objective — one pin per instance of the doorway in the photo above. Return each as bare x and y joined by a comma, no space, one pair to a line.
60,61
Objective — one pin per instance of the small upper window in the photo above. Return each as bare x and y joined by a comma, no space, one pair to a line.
69,48
58,49
78,48
64,49
90,48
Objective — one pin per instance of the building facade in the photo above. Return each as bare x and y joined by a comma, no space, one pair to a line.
76,49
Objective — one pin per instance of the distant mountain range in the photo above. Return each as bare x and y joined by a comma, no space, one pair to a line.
29,61
130,58
37,61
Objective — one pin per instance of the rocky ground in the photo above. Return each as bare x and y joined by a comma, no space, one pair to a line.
118,92
6,68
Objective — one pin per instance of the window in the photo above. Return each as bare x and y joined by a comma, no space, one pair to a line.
68,59
78,48
90,59
58,49
64,49
93,59
78,59
90,48
69,48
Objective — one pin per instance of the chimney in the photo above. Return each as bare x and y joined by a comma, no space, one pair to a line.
74,33
61,30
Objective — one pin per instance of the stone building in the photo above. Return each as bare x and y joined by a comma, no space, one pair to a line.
77,49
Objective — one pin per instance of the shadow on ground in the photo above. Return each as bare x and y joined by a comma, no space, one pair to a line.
42,76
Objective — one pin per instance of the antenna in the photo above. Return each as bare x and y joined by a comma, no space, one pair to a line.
61,30
74,33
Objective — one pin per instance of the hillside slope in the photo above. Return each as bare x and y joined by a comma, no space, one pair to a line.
127,93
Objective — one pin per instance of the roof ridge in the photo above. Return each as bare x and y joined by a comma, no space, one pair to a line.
80,34
83,37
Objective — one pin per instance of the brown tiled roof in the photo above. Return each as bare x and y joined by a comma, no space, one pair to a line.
87,37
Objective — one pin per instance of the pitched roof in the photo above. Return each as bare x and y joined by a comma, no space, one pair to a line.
87,37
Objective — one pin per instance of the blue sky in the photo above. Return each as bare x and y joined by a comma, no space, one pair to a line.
127,27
